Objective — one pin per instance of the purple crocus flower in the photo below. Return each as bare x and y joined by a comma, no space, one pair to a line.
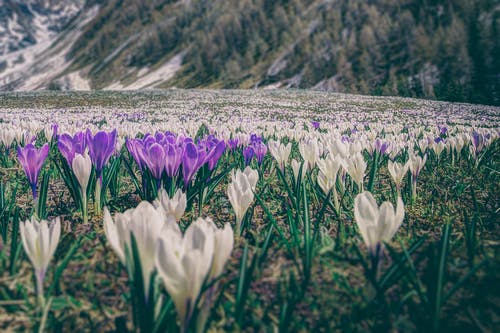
101,147
254,138
315,124
133,147
154,158
69,145
260,151
189,162
248,153
477,141
381,147
232,143
215,154
31,160
173,154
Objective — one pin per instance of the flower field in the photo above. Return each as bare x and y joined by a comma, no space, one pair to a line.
254,211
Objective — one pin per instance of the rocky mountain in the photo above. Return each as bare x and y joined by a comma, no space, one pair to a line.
440,49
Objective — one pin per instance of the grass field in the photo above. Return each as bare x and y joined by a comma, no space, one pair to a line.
304,249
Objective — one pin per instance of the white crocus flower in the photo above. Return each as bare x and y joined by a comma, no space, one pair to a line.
252,176
310,152
240,193
296,169
280,152
327,176
398,172
338,147
356,168
7,136
40,242
377,225
183,264
416,164
175,206
145,223
82,167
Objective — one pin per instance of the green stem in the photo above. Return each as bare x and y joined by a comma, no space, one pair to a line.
39,290
84,207
97,201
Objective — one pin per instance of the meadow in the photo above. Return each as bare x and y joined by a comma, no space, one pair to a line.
247,211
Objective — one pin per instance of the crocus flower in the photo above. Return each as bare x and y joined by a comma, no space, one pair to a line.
154,158
145,222
215,154
133,147
252,176
296,169
356,168
82,167
328,170
7,136
477,143
31,160
101,147
40,241
189,162
398,172
248,154
232,143
184,262
260,150
377,225
309,151
173,161
416,164
174,206
315,124
380,146
280,152
70,145
240,195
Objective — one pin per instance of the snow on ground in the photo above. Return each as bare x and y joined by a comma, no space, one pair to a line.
75,81
150,80
43,61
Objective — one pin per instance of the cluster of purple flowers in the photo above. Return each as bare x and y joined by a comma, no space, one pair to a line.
255,148
100,146
169,153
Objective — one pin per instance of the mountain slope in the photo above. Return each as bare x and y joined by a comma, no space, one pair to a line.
443,49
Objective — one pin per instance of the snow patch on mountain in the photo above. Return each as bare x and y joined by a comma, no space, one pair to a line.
155,77
35,66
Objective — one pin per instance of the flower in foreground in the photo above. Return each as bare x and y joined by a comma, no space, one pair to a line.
377,224
40,241
145,223
184,262
31,160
